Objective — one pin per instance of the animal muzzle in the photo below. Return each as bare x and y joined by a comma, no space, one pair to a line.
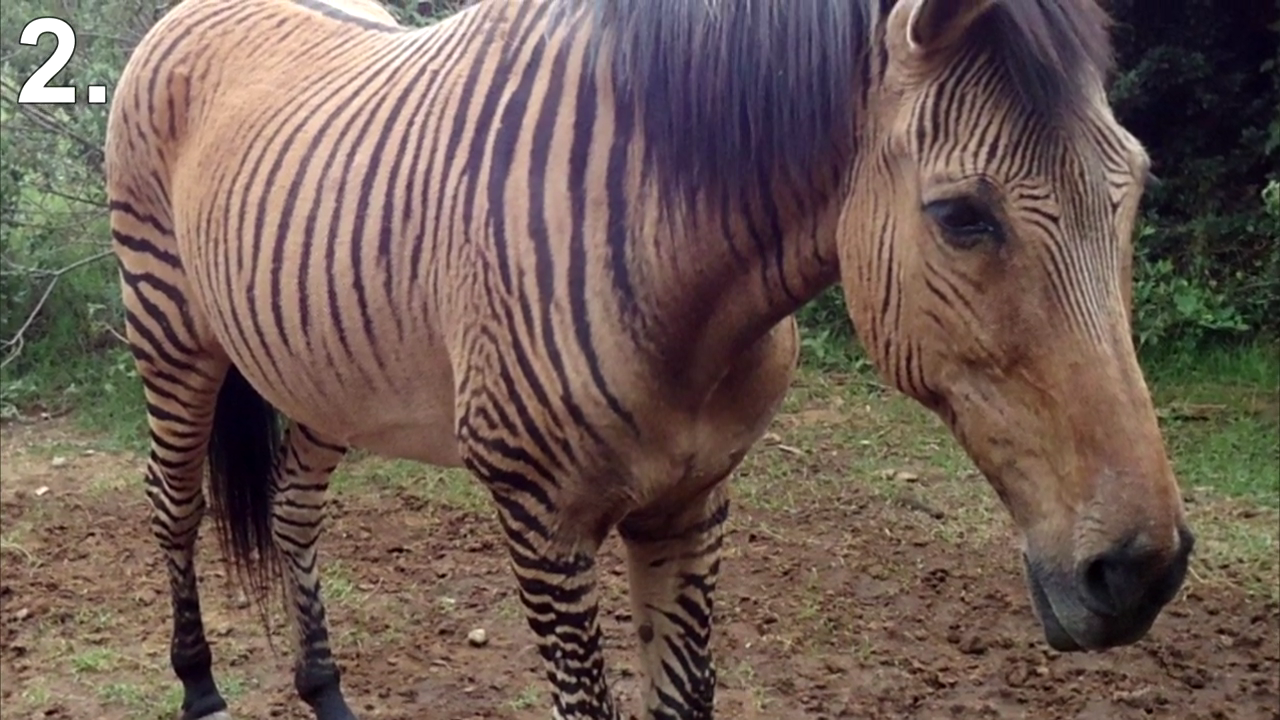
1107,600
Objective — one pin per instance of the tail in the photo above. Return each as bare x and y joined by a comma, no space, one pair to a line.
242,455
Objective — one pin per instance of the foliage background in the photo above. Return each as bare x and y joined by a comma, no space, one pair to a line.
1199,85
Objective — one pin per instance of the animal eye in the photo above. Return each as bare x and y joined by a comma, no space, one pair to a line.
963,222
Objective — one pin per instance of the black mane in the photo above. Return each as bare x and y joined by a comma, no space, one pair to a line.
732,93
1049,50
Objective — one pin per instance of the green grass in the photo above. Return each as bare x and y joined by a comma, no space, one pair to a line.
71,356
450,487
1221,419
1220,409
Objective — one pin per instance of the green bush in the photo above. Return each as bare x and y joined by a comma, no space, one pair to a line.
1200,86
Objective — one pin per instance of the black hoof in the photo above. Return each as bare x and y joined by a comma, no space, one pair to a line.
328,704
207,705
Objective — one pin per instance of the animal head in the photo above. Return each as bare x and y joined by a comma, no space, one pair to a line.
985,198
985,250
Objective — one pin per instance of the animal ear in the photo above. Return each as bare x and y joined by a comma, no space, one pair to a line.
935,24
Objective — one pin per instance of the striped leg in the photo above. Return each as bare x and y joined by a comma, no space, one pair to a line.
674,562
558,588
181,395
555,569
301,480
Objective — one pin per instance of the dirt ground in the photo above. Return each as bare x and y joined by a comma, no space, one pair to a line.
876,599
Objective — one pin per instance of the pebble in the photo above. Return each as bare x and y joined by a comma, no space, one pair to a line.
478,637
58,462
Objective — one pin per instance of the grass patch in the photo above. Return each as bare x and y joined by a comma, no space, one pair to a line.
1221,419
446,487
839,430
1219,410
338,584
743,676
527,698
37,695
94,660
1237,546
70,355
11,546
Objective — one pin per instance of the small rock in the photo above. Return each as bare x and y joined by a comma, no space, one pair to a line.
42,490
973,645
58,462
478,637
21,614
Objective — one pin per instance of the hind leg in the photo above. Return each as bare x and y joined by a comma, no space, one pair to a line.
301,481
181,387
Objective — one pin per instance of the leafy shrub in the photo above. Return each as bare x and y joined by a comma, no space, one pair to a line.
1199,86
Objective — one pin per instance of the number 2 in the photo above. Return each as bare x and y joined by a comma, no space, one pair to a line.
36,90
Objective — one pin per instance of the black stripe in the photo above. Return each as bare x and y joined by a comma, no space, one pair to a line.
202,24
544,263
297,124
393,225
372,169
333,237
478,160
123,206
585,107
429,136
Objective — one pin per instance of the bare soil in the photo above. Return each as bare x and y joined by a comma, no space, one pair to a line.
847,605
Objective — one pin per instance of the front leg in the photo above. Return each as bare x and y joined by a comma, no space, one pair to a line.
674,563
554,559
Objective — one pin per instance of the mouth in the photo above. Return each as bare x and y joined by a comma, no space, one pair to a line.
1054,632
1070,627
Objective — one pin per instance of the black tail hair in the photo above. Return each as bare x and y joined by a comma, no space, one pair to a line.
242,456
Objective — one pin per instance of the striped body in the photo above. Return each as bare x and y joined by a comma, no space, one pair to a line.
404,258
559,243
399,230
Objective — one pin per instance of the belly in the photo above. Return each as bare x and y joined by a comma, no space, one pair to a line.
403,410
390,391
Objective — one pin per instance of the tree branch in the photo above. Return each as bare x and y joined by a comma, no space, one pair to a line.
14,345
51,123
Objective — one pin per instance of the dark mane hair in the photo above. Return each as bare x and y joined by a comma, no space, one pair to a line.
1049,49
730,93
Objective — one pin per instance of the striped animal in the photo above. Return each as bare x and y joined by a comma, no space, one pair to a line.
560,243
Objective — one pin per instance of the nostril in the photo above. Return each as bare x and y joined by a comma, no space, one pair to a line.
1130,578
1097,578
